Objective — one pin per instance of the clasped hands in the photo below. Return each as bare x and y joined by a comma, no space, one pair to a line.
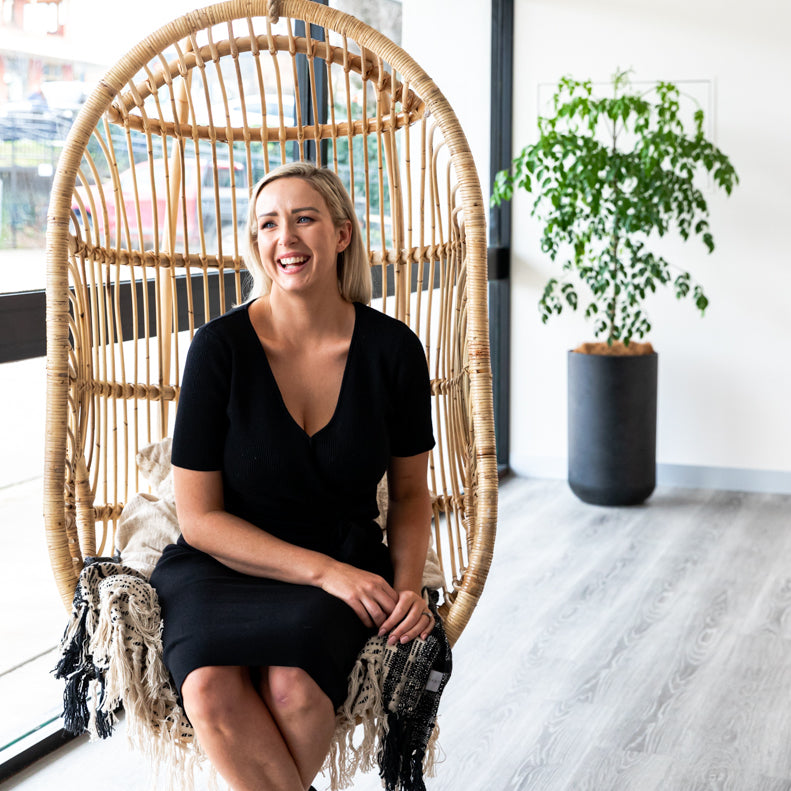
401,614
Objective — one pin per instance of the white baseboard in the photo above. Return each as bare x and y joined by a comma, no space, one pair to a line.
728,478
687,476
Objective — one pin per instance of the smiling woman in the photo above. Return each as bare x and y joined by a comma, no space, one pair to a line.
298,244
289,407
288,574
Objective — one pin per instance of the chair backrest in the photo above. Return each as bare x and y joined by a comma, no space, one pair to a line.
144,238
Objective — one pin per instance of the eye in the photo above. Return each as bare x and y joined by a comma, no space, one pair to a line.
304,218
266,224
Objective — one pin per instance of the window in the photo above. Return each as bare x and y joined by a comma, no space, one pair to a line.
44,80
53,54
41,92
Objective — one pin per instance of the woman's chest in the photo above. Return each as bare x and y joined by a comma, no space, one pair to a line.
309,383
265,441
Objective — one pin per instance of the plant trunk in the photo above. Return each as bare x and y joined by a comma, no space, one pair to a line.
614,309
614,246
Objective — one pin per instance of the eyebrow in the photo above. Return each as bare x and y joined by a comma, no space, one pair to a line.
293,211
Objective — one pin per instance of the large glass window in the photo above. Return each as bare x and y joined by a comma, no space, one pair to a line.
42,87
51,56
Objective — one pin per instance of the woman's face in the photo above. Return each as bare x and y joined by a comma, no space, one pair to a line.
297,239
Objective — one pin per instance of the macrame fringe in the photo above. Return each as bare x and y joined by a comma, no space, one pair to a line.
407,774
111,657
83,695
363,706
364,713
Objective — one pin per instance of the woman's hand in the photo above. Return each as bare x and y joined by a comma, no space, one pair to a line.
368,594
410,618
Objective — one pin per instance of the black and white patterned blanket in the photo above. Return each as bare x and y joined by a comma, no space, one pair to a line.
111,656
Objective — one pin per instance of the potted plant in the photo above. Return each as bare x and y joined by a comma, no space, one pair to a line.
610,175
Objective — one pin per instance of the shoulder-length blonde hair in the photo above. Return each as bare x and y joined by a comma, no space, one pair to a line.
354,271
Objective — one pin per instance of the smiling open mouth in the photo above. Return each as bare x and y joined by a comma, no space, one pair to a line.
285,263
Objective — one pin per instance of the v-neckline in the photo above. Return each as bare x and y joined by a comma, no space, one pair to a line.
271,373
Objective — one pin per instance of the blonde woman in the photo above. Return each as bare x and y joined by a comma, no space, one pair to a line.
292,408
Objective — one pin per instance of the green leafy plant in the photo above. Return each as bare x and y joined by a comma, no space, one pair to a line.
609,174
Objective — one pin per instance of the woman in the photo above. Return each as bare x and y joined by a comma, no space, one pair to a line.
292,408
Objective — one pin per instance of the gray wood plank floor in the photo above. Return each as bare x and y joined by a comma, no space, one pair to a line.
626,648
614,648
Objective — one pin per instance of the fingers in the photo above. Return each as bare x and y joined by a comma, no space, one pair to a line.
403,616
362,613
427,618
409,619
369,595
375,610
422,629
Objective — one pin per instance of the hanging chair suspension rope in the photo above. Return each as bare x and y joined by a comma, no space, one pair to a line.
273,11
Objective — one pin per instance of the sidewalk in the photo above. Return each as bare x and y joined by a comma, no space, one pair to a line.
22,270
22,416
32,617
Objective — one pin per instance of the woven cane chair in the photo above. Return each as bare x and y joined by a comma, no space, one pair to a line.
144,245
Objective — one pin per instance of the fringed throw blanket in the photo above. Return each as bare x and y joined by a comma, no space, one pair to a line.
111,656
394,693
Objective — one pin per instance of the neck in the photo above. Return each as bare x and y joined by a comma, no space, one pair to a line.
298,319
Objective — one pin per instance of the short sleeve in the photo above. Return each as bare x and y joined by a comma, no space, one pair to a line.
202,413
411,430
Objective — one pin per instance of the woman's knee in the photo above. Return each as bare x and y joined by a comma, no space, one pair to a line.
291,690
211,694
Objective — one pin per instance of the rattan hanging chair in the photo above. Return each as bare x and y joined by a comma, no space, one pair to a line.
144,237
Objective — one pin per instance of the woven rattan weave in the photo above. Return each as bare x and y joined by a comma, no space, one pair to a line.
144,245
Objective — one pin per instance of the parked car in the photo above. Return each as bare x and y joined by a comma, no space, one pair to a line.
46,114
147,180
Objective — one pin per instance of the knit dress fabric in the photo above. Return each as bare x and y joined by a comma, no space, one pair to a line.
317,492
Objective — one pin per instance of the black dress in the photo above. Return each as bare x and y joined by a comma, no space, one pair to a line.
315,491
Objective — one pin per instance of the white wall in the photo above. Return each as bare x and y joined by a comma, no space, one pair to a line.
451,41
725,380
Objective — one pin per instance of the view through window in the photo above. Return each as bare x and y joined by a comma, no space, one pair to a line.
51,56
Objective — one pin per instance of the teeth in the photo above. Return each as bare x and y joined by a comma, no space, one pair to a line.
293,261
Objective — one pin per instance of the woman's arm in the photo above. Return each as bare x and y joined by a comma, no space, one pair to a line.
245,548
408,526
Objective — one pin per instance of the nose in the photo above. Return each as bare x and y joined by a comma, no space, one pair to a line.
286,232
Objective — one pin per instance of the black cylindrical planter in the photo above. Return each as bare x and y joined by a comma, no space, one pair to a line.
612,427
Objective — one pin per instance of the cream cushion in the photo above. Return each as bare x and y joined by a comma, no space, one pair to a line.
148,522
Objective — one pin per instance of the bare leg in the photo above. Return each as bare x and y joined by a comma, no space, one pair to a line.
303,713
238,732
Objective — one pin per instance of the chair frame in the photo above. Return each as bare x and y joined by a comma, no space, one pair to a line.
69,502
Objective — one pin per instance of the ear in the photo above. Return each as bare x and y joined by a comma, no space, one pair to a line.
344,236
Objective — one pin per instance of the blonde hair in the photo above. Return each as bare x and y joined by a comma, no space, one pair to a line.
354,271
